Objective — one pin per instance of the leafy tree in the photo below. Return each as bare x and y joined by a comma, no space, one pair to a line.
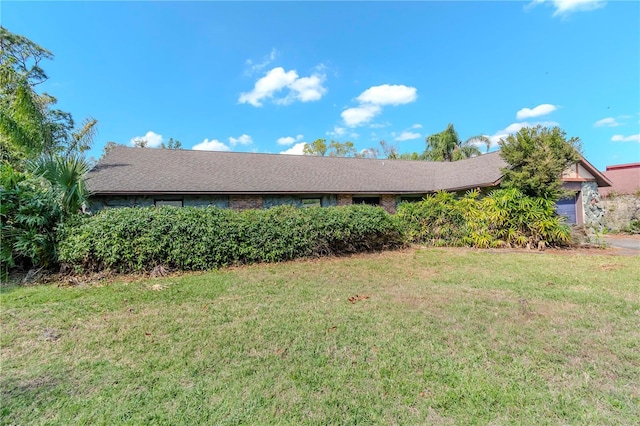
140,143
41,156
337,149
29,214
172,144
109,146
537,156
317,147
414,156
29,125
447,146
320,148
65,176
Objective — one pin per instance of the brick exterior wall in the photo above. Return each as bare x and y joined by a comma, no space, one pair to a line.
344,200
244,202
388,202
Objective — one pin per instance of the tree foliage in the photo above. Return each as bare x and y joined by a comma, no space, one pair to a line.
41,156
504,218
172,144
29,124
29,214
320,148
447,146
537,157
317,147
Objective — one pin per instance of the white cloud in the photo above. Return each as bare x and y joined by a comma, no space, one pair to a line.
388,94
303,89
337,131
542,109
566,7
288,140
622,138
308,89
297,149
360,115
273,81
211,145
606,122
417,126
253,67
243,139
406,135
153,139
373,99
515,128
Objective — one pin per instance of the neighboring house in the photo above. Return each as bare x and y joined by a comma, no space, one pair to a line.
147,177
625,179
622,199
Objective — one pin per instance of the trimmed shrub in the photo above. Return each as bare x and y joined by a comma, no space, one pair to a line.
505,217
436,220
137,239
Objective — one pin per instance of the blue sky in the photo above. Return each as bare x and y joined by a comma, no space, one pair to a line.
269,76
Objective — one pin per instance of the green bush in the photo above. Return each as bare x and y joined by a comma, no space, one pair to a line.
505,217
29,214
137,239
436,220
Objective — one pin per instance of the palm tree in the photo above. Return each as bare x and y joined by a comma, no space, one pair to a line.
447,146
66,177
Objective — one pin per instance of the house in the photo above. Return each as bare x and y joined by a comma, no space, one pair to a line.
625,179
622,199
147,177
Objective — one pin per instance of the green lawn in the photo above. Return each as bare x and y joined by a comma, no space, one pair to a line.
435,336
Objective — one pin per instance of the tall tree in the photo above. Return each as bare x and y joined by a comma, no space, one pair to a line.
537,156
320,148
447,146
338,149
30,126
42,165
317,147
172,144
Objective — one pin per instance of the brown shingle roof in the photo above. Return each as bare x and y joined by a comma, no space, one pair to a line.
143,170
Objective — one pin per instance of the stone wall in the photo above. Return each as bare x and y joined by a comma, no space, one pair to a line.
101,202
344,200
238,202
592,207
244,202
620,211
221,201
389,203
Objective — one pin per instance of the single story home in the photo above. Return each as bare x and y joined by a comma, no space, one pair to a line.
128,177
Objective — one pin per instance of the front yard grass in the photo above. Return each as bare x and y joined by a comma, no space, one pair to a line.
421,336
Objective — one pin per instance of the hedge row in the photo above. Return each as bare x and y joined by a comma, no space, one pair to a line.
504,218
137,239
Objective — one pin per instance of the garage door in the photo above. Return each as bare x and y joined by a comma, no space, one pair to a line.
567,208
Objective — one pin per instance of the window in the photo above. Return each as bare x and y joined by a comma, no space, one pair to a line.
174,203
411,199
372,201
311,202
